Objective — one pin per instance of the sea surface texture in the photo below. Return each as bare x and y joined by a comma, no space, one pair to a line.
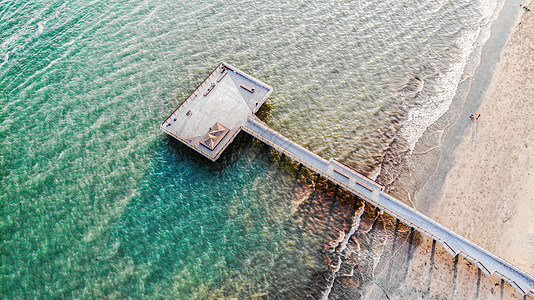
96,202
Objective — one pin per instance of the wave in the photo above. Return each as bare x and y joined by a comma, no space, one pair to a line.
439,95
339,250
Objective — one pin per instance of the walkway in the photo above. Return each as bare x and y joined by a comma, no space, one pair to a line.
374,194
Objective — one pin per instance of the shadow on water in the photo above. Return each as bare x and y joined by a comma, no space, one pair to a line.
178,210
230,229
204,229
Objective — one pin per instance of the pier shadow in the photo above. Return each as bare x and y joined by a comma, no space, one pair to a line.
241,145
212,229
178,211
228,158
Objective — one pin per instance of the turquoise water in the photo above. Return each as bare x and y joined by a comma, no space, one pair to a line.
97,202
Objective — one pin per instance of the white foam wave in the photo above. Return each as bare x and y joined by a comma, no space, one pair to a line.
356,218
425,114
340,249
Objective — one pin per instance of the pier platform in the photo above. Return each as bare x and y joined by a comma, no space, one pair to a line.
210,118
226,103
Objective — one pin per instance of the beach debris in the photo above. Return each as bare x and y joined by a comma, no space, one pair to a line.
524,7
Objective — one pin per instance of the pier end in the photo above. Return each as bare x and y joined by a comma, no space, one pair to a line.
210,118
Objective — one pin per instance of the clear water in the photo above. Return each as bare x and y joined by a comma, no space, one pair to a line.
97,202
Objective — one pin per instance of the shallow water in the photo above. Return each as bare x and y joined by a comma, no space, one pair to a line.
96,201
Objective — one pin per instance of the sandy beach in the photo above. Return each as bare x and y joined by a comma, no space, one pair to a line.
488,195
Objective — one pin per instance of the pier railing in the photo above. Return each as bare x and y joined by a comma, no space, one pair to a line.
370,191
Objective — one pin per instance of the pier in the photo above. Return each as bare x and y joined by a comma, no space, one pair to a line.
226,103
210,118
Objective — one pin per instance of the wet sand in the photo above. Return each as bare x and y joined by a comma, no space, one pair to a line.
488,195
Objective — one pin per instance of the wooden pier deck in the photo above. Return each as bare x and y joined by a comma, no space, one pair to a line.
210,118
225,103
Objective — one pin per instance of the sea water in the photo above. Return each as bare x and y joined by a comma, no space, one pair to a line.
96,202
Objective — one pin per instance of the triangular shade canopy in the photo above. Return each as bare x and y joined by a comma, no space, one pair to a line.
214,136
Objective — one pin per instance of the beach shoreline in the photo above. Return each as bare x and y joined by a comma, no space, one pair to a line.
475,176
417,176
493,170
422,181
